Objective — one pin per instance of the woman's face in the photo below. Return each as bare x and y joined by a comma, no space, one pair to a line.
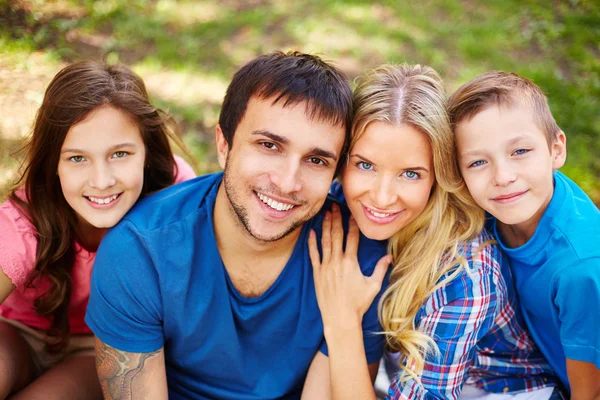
388,179
101,167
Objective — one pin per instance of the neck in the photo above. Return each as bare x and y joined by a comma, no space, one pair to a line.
89,236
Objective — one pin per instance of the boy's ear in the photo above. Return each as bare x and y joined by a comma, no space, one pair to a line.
559,150
222,147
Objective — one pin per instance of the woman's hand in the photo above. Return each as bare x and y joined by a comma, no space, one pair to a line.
344,294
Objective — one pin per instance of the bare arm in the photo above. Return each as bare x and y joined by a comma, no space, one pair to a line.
131,376
318,384
584,379
6,286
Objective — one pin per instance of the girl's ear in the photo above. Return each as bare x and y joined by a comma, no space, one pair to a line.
559,150
222,147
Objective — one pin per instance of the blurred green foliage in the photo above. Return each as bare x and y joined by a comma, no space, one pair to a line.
556,44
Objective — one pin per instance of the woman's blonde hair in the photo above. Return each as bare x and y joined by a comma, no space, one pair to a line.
428,247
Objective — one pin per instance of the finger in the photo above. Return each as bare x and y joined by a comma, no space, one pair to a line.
380,269
352,238
337,233
313,250
326,237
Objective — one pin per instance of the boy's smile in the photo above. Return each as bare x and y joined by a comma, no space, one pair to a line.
507,165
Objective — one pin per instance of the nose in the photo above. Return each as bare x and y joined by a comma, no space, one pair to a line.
287,177
504,174
102,177
384,193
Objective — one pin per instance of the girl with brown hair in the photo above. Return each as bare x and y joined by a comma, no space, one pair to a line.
98,145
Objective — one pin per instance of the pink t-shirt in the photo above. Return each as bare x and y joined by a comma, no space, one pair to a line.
18,245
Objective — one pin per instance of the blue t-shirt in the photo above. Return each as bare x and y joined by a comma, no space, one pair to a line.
159,281
557,276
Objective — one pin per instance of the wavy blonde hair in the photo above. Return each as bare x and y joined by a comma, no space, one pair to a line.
426,249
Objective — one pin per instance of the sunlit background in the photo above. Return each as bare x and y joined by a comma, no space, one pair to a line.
187,51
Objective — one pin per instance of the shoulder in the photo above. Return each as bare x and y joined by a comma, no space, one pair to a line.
172,204
18,243
184,170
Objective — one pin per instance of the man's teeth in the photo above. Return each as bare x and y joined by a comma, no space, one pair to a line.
103,201
379,215
274,204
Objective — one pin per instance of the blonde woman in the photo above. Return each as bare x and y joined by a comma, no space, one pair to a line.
449,314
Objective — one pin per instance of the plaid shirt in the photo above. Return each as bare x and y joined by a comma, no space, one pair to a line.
480,333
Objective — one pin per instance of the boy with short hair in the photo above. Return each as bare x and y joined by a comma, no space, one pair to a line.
509,148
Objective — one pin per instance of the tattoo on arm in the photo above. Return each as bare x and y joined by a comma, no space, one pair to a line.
116,370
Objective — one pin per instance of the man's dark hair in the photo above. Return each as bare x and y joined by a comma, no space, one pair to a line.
293,78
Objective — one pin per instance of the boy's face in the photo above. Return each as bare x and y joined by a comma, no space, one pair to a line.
506,163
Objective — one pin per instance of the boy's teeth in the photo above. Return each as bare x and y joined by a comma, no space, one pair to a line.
274,204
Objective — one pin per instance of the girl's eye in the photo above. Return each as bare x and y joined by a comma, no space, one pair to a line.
77,159
412,175
364,166
476,164
120,154
520,152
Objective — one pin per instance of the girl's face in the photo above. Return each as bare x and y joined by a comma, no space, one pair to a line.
388,178
101,167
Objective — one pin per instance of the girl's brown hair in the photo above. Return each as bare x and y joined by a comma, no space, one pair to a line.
74,92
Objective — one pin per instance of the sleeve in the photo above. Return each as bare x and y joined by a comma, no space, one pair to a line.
369,253
579,314
125,307
18,245
456,317
184,170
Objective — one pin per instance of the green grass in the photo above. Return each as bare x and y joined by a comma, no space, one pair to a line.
553,43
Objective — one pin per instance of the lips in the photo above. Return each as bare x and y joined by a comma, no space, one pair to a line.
103,201
380,216
510,197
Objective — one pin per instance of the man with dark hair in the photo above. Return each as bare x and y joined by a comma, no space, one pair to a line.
216,299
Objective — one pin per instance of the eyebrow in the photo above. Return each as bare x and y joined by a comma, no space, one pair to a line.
283,140
404,169
112,148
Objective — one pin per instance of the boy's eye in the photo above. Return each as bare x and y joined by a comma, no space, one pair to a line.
364,166
316,161
412,175
77,159
520,152
477,163
120,154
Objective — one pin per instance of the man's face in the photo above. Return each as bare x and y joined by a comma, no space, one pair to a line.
506,163
279,168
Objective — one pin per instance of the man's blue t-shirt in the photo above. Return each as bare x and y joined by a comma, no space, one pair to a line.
557,276
159,281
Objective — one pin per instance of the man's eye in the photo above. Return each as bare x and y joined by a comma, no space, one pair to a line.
77,159
365,166
269,145
316,161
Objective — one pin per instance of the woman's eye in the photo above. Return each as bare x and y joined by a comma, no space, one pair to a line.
412,175
520,152
77,159
120,154
365,166
477,163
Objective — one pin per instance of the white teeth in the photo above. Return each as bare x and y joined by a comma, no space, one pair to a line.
274,204
379,215
103,201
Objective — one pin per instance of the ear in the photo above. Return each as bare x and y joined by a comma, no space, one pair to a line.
222,147
559,150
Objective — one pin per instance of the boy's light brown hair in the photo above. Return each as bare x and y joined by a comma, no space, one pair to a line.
502,89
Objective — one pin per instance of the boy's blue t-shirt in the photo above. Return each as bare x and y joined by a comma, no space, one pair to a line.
159,281
557,276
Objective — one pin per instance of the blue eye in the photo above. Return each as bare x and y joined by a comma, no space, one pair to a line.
364,166
520,152
412,175
120,154
77,159
477,163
